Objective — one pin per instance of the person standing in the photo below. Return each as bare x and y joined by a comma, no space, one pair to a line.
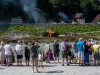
80,48
47,51
27,54
56,50
95,48
86,53
34,56
8,53
18,50
40,58
90,51
63,51
2,56
68,50
75,50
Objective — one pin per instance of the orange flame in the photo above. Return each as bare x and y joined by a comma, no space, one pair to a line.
50,32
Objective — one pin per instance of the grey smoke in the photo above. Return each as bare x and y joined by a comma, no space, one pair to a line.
63,16
30,7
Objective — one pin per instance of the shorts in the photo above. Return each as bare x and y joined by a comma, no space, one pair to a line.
56,54
81,54
19,56
34,61
64,54
97,56
76,54
69,53
48,55
86,57
90,52
27,58
8,56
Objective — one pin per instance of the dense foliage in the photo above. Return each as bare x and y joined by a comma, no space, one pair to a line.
72,28
25,29
51,8
37,30
84,31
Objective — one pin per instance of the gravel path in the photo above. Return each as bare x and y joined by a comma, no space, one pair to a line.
51,69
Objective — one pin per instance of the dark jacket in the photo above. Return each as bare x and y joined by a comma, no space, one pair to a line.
34,51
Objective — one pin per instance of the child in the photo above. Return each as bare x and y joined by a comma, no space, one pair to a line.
74,60
40,59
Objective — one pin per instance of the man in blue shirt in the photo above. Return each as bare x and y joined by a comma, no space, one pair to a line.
80,48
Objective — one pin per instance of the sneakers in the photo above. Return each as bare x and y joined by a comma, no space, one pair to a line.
81,64
62,64
67,64
88,64
36,71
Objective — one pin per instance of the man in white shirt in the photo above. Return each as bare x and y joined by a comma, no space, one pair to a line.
8,53
18,50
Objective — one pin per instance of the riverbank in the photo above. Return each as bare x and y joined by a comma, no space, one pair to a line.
60,38
51,69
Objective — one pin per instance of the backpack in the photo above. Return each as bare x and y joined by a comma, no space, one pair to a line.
66,47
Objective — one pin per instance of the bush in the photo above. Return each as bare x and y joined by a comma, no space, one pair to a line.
45,34
55,34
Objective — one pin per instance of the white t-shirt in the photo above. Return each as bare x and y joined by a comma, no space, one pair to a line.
62,46
46,47
18,47
7,48
39,57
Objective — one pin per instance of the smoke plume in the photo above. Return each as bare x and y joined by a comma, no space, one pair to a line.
30,7
63,16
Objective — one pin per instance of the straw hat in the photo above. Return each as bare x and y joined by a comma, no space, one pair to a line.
80,39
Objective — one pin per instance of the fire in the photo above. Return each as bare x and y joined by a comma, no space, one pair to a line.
50,32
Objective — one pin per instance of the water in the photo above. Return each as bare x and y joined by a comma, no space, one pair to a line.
41,48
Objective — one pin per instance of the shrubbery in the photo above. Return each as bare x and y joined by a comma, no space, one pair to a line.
55,34
45,34
33,29
57,28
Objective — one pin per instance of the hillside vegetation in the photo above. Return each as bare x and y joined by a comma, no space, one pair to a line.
36,31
